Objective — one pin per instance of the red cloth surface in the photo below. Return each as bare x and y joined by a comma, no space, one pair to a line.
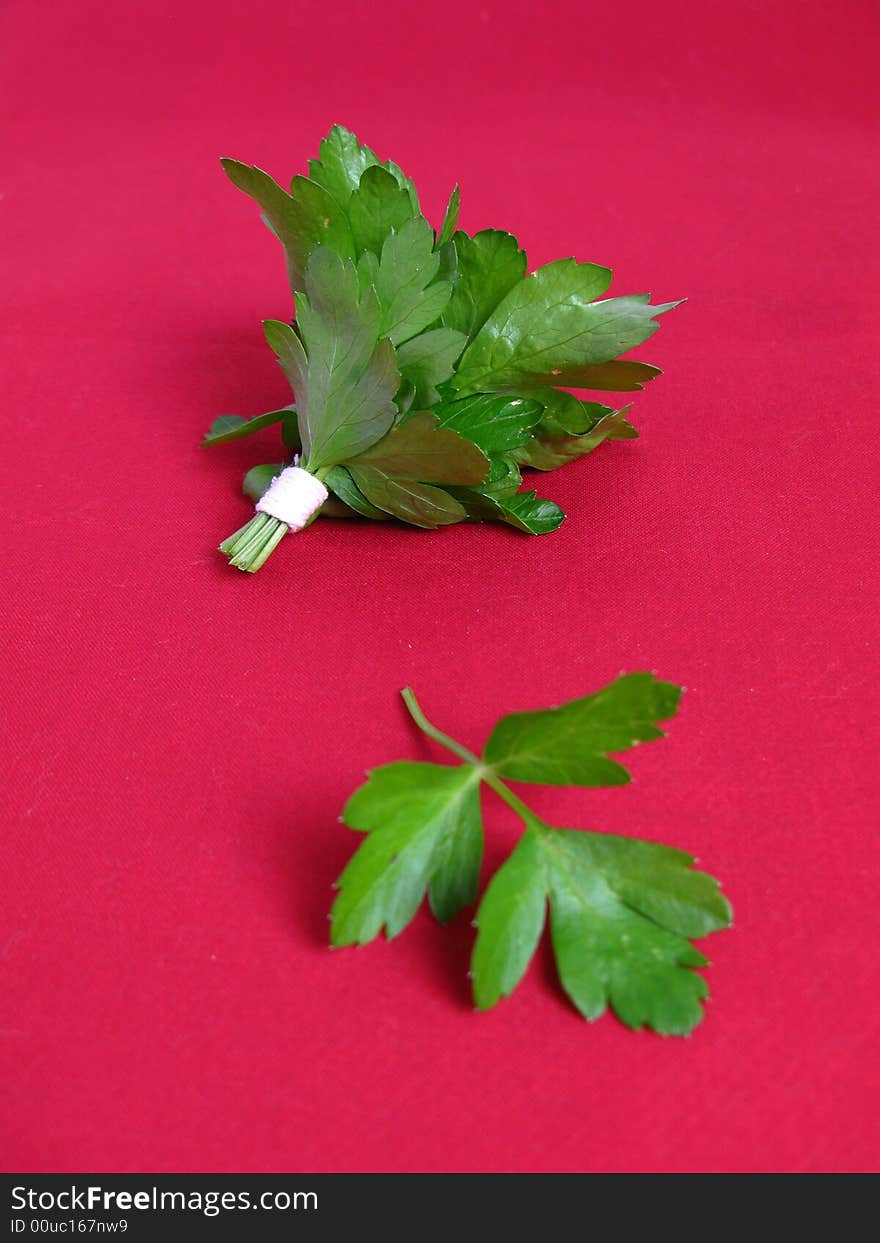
180,737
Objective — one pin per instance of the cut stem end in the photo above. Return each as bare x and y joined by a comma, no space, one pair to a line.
253,544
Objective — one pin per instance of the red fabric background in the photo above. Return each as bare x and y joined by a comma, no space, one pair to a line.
181,737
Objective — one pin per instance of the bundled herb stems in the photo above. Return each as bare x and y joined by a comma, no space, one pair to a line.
428,370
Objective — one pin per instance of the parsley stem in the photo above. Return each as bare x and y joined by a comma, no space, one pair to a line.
251,546
512,800
415,711
486,773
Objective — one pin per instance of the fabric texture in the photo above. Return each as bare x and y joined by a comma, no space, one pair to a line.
180,737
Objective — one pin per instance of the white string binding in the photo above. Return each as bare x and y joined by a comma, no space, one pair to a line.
292,497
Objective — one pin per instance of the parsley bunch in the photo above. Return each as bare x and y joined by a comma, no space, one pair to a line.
427,368
622,911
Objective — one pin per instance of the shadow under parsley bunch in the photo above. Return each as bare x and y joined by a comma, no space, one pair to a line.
428,369
622,911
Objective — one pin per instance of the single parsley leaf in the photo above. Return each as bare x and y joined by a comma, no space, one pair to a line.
424,828
301,220
344,378
489,265
622,911
509,922
620,914
549,329
531,513
569,745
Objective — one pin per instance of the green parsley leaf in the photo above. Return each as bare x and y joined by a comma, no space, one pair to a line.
420,449
258,478
378,207
424,828
551,446
448,269
495,423
530,513
623,375
565,412
234,427
620,915
489,265
392,474
343,161
419,504
405,183
504,477
410,295
569,745
510,922
622,911
341,483
427,360
305,218
343,376
498,500
550,330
